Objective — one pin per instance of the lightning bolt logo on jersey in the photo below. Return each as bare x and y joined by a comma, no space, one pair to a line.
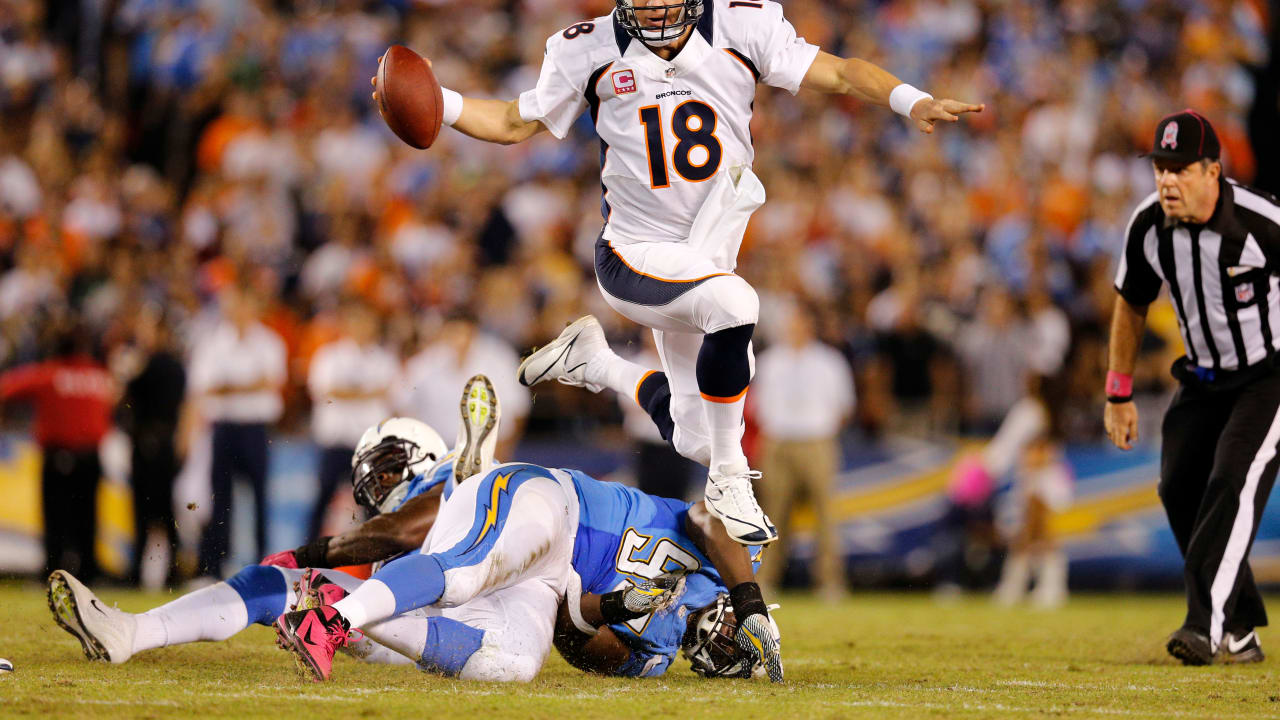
497,488
667,127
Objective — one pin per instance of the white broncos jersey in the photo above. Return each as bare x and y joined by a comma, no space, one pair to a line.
666,127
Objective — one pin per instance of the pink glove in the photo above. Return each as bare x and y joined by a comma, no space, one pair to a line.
284,559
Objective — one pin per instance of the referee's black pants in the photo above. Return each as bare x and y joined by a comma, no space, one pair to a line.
1218,463
239,449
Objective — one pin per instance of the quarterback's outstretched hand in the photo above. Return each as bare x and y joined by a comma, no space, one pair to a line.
653,595
928,111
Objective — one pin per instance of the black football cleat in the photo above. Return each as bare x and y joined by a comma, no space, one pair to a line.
1190,646
1239,648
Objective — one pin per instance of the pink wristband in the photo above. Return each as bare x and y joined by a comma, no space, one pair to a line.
1119,384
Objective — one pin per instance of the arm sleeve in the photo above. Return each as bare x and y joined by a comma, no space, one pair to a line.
1136,281
780,56
22,381
558,98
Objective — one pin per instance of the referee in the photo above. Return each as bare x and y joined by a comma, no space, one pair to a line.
1217,245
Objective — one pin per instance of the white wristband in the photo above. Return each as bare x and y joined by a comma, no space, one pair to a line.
904,97
452,105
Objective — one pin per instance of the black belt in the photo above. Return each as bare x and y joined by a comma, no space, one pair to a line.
1195,376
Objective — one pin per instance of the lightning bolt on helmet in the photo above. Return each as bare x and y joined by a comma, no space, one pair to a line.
688,13
388,456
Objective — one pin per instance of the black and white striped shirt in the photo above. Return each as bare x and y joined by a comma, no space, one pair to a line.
1224,275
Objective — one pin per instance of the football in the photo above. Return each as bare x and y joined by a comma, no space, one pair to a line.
409,97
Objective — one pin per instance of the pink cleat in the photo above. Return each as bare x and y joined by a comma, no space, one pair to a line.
314,590
313,636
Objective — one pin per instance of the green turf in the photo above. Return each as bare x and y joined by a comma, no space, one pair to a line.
882,656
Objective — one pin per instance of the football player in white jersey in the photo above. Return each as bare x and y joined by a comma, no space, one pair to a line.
670,85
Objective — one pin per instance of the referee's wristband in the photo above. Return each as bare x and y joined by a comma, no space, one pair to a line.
1119,387
904,97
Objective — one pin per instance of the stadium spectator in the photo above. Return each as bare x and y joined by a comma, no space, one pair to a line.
149,413
349,381
72,394
236,374
802,396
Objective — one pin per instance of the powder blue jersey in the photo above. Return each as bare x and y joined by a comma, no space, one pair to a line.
439,475
624,536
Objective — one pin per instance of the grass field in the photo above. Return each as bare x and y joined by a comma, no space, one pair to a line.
882,656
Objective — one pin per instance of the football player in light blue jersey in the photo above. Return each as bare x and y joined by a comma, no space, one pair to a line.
536,527
400,473
625,538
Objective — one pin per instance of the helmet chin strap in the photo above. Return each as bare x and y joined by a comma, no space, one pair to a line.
660,43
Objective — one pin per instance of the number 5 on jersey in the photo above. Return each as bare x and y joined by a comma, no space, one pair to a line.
694,125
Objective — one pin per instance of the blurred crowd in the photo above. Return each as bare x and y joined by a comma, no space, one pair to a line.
157,156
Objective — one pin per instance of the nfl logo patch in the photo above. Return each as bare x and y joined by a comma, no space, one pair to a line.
1244,293
624,81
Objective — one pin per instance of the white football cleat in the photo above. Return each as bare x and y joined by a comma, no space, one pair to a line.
565,358
105,633
729,496
478,432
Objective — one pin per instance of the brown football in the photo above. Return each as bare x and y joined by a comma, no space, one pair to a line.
409,97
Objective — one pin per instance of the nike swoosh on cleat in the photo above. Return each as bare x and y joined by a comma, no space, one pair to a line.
94,603
563,353
1236,646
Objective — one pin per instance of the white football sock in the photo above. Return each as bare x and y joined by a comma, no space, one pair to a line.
724,424
373,599
367,650
405,634
616,373
213,613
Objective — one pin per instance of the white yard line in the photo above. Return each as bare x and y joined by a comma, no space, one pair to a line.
999,707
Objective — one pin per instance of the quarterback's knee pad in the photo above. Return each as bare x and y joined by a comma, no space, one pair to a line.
724,302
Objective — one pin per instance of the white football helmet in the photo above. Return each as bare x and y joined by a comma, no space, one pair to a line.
685,12
710,642
388,456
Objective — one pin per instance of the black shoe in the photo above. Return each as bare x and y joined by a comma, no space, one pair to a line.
1240,648
1190,646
